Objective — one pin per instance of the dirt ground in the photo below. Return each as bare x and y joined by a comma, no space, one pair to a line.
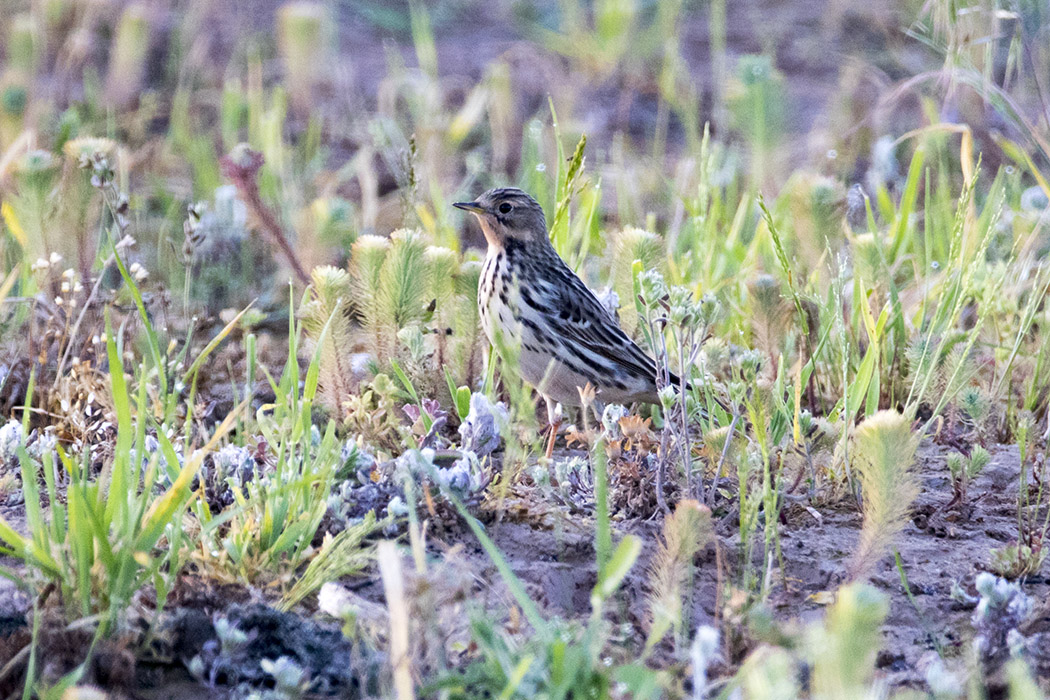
938,549
551,550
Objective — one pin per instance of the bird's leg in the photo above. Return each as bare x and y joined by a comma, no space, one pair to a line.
554,420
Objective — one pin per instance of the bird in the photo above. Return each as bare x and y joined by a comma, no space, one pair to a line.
530,299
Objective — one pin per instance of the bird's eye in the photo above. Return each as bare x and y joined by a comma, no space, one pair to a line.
504,208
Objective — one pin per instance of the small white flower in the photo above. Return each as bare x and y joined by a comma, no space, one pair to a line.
55,259
288,676
703,651
942,681
196,667
44,443
397,506
334,600
11,436
138,272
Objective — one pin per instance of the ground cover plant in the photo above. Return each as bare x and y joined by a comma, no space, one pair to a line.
253,440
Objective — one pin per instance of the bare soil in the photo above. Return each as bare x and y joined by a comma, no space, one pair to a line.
938,549
551,550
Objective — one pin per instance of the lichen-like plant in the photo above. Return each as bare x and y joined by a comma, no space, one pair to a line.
326,321
685,532
883,458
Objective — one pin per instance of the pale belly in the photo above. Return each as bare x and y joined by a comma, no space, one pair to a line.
536,357
557,368
535,354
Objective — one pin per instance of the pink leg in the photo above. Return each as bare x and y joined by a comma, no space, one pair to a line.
554,421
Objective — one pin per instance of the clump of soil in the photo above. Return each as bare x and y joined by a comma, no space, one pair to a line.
322,652
61,648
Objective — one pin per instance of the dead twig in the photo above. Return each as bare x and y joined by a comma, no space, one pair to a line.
722,460
80,318
241,166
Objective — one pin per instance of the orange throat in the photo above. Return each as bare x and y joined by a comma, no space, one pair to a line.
490,235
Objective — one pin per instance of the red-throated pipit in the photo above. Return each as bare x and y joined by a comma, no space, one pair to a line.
532,302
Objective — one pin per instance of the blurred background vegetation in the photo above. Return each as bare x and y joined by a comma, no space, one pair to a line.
371,116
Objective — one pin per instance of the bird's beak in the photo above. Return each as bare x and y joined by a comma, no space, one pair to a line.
472,207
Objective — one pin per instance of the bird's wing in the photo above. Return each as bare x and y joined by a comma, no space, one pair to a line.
577,315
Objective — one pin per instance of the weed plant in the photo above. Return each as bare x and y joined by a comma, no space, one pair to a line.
241,345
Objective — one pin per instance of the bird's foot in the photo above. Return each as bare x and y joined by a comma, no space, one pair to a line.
554,417
552,436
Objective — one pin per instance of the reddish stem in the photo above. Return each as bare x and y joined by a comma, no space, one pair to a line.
241,166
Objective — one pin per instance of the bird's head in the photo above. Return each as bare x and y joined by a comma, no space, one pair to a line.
508,213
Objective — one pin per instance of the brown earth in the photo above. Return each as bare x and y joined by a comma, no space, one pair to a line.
551,550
